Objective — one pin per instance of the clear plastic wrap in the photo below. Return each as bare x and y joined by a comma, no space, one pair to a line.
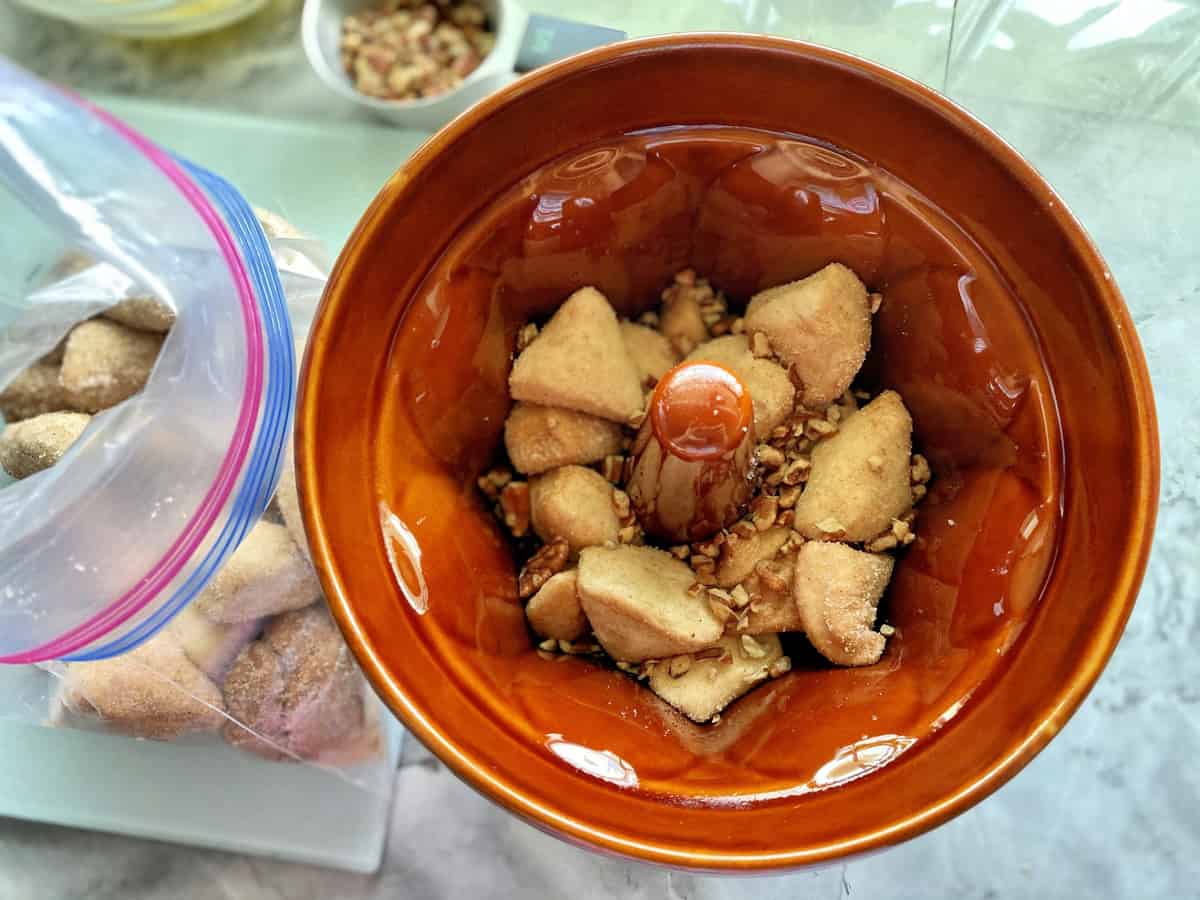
153,311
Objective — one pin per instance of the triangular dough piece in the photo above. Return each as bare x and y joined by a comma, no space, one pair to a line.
651,352
709,685
579,361
154,691
820,326
860,476
837,591
638,602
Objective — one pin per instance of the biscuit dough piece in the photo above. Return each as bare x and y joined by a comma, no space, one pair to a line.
34,392
267,574
639,606
772,608
709,685
105,362
578,361
211,646
820,326
35,444
554,611
574,503
154,691
773,394
739,556
298,693
837,591
539,438
860,476
142,313
650,351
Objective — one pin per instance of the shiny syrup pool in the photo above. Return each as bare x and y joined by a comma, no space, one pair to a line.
749,210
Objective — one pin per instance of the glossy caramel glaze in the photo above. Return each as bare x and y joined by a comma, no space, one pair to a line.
700,411
502,215
689,472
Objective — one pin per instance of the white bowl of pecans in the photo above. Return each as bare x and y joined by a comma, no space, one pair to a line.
419,63
414,63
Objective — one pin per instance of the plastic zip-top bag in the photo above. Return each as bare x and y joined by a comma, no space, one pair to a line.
147,380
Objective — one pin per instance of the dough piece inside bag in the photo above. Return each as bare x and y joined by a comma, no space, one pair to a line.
142,313
154,691
105,362
267,574
34,392
298,694
31,445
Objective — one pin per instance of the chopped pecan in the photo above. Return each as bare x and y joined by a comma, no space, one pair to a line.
514,504
549,560
493,481
796,471
919,471
769,575
525,336
760,346
751,648
885,541
763,511
770,457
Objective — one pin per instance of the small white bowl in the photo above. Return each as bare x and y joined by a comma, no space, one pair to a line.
321,30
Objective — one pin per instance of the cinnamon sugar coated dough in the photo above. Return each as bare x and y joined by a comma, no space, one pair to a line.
266,575
786,534
837,591
639,606
153,691
820,326
29,446
257,635
105,362
142,313
650,350
773,608
770,389
578,361
33,392
860,476
574,503
211,646
709,685
554,611
739,557
297,694
539,438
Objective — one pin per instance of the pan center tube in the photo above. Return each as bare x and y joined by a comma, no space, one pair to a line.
691,461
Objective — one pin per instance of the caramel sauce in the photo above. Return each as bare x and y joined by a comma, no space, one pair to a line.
689,470
750,210
701,411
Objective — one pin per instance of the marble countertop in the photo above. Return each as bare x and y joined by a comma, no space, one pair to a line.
1112,806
